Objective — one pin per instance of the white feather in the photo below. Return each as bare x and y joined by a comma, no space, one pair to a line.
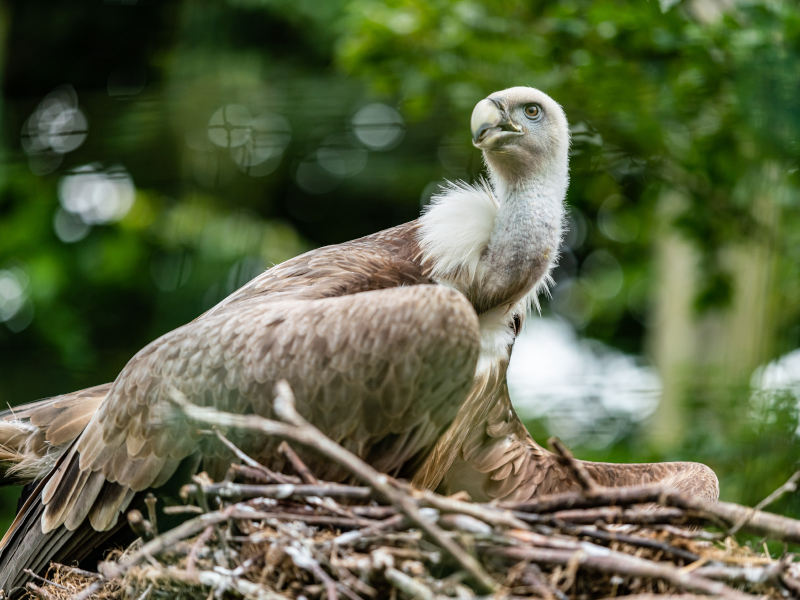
455,229
497,337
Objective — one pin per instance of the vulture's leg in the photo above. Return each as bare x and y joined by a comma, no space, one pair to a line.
499,460
381,372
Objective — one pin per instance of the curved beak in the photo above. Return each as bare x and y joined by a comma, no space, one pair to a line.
491,124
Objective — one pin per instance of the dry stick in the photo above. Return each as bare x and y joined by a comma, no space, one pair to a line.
146,593
759,522
610,561
199,542
706,536
180,509
408,585
297,464
150,502
612,515
77,571
633,540
279,491
632,516
89,591
565,457
168,539
485,512
578,547
299,430
215,580
250,462
533,577
257,476
791,583
340,522
654,596
141,526
43,580
40,592
789,486
749,574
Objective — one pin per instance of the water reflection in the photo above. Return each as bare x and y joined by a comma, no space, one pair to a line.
584,390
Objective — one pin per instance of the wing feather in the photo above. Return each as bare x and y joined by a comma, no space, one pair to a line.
389,411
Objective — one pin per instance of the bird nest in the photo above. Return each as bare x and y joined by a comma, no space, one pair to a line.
265,535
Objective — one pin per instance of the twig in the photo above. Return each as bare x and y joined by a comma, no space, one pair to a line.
485,512
748,574
201,539
297,464
408,585
145,594
760,523
613,536
610,561
40,592
587,483
789,486
77,571
189,509
299,430
150,502
140,525
532,576
43,580
612,515
247,460
89,591
279,491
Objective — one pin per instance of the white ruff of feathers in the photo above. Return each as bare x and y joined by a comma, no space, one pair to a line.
455,230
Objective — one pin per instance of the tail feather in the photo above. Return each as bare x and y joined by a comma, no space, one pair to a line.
34,436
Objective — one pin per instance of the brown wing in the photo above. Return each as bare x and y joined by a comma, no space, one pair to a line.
381,372
481,401
33,436
499,460
386,259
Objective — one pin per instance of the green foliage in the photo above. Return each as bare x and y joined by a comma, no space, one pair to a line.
676,101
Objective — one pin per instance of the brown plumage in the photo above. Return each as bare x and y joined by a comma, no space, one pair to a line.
395,345
499,460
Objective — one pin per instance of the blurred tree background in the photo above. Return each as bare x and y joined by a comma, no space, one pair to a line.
157,155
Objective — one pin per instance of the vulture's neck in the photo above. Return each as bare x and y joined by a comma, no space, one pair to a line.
495,241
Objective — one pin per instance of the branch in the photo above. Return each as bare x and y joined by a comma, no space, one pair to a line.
565,457
753,521
297,429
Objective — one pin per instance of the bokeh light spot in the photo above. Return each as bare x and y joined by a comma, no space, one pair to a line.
56,127
97,196
378,126
338,156
229,126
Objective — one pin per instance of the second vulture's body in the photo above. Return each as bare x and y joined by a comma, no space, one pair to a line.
395,345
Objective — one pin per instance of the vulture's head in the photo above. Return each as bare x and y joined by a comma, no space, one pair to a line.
523,133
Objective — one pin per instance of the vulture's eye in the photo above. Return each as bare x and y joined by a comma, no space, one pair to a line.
533,112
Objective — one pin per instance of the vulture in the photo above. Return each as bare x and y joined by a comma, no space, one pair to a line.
395,345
